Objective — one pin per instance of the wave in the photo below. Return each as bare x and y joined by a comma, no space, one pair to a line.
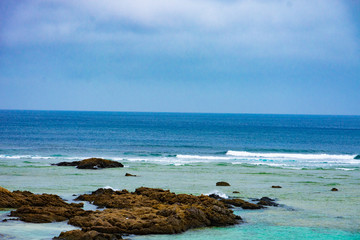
297,160
201,157
295,156
4,156
218,193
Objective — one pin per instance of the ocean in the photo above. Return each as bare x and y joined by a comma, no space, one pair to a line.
307,155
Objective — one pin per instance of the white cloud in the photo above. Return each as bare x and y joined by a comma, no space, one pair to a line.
315,29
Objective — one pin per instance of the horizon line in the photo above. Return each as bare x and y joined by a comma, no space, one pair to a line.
174,112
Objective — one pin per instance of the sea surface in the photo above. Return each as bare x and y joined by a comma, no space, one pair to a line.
307,155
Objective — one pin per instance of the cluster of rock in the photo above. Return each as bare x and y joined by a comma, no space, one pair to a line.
36,208
145,211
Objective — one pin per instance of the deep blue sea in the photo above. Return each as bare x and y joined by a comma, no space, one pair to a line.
238,137
188,153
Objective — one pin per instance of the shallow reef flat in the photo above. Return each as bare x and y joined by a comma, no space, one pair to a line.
144,211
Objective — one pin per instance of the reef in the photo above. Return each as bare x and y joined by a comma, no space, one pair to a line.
145,211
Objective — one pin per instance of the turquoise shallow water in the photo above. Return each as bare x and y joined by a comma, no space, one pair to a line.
308,208
249,232
189,153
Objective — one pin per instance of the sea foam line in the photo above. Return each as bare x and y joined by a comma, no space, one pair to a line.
319,156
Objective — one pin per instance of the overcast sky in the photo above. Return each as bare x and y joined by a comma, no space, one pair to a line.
246,56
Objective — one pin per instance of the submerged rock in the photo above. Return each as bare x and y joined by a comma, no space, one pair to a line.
236,202
223,184
334,189
236,192
266,201
276,187
92,163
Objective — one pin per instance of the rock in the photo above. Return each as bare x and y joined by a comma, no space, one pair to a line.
223,184
215,196
46,214
129,175
92,163
334,189
236,192
357,157
236,202
276,187
151,211
241,203
145,211
90,235
66,164
266,201
38,208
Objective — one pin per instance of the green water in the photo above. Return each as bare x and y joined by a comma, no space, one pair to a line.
309,210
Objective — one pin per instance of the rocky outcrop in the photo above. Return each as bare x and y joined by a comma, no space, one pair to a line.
222,184
145,211
92,163
38,208
334,189
276,187
151,211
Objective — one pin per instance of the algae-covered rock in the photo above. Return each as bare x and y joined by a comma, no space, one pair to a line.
38,208
152,211
222,184
145,211
92,163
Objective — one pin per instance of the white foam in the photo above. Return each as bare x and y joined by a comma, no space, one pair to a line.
199,157
305,156
220,194
108,187
346,169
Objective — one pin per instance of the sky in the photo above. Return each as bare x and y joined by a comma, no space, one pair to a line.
214,56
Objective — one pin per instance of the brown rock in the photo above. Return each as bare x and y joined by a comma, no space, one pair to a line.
276,187
223,184
38,208
151,211
236,192
90,235
92,163
145,211
129,175
334,189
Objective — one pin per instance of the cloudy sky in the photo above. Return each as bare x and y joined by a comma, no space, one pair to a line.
237,56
